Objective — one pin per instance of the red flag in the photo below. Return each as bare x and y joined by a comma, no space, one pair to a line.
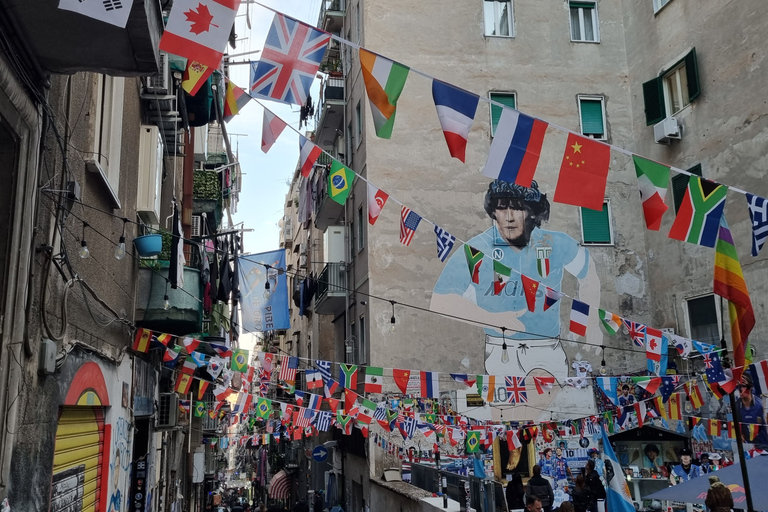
349,400
530,287
401,379
334,403
544,383
583,173
142,340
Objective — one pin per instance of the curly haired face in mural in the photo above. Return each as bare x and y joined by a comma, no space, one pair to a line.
517,240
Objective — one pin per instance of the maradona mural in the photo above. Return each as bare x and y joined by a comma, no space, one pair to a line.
517,240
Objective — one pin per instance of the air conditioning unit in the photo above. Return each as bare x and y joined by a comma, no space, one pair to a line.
669,331
288,230
160,84
150,175
197,225
167,411
666,130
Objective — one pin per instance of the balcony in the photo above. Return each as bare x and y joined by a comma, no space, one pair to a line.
332,15
331,289
186,312
330,112
66,42
327,211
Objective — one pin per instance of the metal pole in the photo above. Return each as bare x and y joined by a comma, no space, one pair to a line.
736,418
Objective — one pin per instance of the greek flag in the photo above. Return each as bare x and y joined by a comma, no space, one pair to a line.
323,421
445,242
325,368
380,414
758,214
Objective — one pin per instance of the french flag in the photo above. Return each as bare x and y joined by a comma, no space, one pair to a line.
551,297
516,148
430,385
579,316
308,155
456,110
271,129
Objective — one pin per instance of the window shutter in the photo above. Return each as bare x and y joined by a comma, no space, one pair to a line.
582,5
692,73
595,225
592,117
507,99
680,185
653,96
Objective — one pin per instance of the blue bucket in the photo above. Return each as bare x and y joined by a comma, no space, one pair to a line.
149,245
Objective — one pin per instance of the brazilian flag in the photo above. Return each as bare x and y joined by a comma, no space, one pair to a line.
263,408
239,360
340,182
199,409
473,441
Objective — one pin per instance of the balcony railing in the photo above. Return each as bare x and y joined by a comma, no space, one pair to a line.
327,211
331,289
332,15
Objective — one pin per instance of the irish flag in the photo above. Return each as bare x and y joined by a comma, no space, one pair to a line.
610,322
384,81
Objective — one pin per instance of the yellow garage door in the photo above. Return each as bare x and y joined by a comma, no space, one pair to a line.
77,460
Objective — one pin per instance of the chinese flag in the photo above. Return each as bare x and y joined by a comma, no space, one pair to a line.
401,379
583,173
530,287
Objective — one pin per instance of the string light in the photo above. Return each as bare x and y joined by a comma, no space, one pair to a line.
166,299
120,249
504,351
83,252
603,369
267,293
392,320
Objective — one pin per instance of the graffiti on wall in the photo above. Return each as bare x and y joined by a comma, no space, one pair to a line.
518,240
120,463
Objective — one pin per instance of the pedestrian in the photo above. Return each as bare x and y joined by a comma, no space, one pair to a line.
319,503
751,411
533,503
594,484
540,487
515,493
719,497
301,506
582,497
566,506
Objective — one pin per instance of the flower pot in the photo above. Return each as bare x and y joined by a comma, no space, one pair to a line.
149,245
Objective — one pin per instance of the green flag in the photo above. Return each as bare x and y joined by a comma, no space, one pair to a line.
199,409
652,181
263,408
474,260
340,181
473,441
239,360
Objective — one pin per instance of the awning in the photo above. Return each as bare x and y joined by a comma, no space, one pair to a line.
695,491
280,486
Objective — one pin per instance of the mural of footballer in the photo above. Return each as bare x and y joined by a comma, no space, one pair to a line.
517,240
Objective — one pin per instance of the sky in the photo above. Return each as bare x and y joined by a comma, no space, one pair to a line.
266,176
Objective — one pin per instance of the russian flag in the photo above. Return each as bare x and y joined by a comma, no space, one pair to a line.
430,385
516,148
579,316
314,402
308,155
551,297
456,110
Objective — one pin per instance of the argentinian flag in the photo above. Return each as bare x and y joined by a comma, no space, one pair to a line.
619,499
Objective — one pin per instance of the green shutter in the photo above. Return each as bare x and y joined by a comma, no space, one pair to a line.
692,73
507,99
596,226
680,185
582,5
592,117
653,97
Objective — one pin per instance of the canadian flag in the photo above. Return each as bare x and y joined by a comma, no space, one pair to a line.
199,29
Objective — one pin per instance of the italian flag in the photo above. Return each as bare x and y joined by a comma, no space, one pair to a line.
652,181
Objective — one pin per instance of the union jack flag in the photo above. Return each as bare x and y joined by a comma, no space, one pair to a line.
636,331
516,393
289,61
445,242
409,221
708,360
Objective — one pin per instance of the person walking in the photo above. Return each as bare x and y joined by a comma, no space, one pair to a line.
719,497
594,484
582,497
540,487
515,493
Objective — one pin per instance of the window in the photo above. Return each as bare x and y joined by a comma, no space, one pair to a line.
584,25
357,22
596,225
360,229
592,115
350,143
672,90
498,19
658,4
108,130
505,98
352,250
680,185
703,319
362,353
358,124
